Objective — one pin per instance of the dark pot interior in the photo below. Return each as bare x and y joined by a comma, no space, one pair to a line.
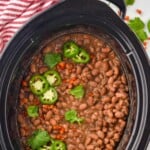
34,36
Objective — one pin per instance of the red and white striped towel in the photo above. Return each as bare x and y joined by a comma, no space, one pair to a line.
15,13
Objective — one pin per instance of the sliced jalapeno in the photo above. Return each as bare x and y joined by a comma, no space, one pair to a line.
53,77
49,97
45,147
70,49
55,145
38,84
58,145
82,57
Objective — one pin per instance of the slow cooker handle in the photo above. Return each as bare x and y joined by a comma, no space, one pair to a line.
119,3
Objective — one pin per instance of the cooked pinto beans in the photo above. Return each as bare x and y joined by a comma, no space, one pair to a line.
99,107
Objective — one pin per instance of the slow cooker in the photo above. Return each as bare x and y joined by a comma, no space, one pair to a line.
72,16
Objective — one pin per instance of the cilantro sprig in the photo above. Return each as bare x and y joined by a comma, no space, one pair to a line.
38,139
129,2
52,59
41,140
136,24
32,111
138,27
78,91
71,116
148,25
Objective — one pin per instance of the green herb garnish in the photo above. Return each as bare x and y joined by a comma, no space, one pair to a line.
32,111
148,25
72,117
142,35
129,2
77,92
38,139
52,59
137,26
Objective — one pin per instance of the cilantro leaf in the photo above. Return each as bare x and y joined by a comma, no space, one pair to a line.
129,2
77,91
136,24
72,117
38,139
52,59
148,25
32,111
142,35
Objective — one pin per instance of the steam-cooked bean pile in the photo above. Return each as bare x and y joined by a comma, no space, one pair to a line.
103,108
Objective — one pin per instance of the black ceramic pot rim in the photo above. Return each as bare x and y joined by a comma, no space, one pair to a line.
131,46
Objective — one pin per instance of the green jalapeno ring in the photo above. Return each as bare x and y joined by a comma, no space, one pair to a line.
70,49
45,147
53,77
38,84
58,145
49,97
55,145
82,57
